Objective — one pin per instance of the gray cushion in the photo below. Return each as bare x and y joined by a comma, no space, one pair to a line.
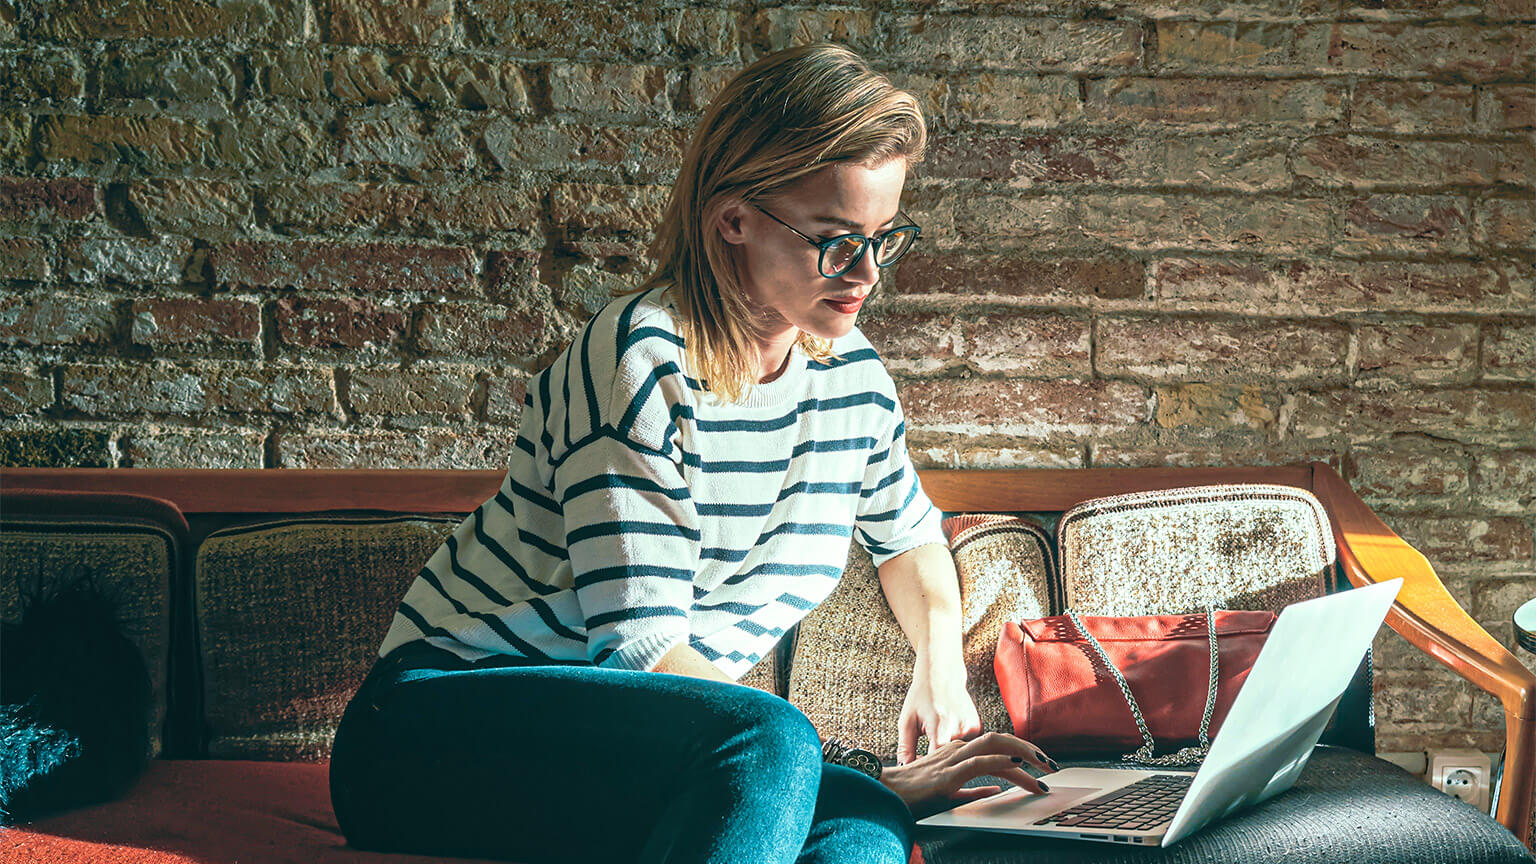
1345,807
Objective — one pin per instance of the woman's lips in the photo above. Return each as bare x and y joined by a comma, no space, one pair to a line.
847,307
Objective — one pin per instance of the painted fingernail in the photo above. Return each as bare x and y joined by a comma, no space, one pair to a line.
1018,759
1052,762
1043,787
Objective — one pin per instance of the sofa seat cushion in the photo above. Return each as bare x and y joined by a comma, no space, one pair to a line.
201,811
1345,807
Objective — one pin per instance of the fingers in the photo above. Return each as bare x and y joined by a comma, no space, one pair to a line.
999,743
998,765
906,739
972,793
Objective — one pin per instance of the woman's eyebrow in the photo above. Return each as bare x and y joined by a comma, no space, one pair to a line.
848,223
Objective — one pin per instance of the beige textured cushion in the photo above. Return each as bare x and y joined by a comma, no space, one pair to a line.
290,615
852,664
131,559
1241,546
766,675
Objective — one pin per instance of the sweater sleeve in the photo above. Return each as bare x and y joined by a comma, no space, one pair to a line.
894,515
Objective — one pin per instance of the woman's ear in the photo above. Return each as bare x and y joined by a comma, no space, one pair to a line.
729,221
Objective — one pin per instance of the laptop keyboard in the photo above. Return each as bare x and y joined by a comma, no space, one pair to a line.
1141,806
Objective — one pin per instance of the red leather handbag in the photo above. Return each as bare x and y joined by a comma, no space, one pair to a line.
1098,685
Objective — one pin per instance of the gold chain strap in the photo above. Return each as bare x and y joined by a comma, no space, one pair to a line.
1143,754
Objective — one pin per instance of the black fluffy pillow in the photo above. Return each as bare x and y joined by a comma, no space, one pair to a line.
74,702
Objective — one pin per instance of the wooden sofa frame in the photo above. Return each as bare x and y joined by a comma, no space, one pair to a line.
1424,613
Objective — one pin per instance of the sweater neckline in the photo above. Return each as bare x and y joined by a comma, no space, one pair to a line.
785,388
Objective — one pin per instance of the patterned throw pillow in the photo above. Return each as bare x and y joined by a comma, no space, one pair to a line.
1169,552
852,664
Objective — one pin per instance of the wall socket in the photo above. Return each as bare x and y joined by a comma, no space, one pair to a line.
1463,774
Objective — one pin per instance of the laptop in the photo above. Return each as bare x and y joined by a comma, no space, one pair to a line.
1298,679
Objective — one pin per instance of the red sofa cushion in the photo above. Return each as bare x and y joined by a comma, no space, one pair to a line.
203,812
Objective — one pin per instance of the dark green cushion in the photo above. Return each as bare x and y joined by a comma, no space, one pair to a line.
1345,807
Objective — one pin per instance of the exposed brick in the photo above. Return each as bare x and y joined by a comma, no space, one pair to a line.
607,89
474,208
504,394
1466,538
1410,474
1014,407
24,258
67,199
704,82
170,447
1411,9
1239,163
293,72
913,342
1509,351
1505,223
627,29
775,29
1173,348
1470,415
1506,481
1013,44
481,330
327,266
55,319
1412,106
998,275
233,21
512,274
1405,223
1507,107
128,259
40,73
463,449
198,388
445,390
1202,408
54,447
171,74
358,324
1425,354
950,450
1214,101
587,287
1360,162
290,138
388,22
1022,343
645,153
1005,99
1495,600
1475,52
23,389
192,324
1201,282
15,140
1418,702
202,208
1203,453
135,141
473,83
584,208
1245,46
399,136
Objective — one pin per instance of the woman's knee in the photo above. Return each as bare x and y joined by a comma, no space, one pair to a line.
858,819
764,732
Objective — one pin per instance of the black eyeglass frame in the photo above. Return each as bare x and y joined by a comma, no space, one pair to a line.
869,242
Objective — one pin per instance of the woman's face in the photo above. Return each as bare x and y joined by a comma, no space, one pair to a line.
779,268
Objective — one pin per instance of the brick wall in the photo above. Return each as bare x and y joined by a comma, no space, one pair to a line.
306,233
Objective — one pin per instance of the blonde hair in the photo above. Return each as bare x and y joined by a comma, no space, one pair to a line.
787,115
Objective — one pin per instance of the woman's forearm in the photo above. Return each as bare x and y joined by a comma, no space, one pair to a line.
924,594
684,659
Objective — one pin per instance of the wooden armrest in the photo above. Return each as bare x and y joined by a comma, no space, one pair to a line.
1428,616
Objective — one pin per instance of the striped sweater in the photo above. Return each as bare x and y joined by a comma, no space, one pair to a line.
640,512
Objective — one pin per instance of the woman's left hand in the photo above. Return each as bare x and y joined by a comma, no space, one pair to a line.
937,704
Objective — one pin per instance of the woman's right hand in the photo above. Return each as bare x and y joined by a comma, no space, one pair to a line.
932,782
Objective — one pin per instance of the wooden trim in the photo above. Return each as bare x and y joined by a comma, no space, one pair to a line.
1428,616
1059,489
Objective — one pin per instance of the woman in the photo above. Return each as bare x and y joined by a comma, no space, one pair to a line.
688,476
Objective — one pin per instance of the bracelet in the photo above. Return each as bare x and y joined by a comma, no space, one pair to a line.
838,753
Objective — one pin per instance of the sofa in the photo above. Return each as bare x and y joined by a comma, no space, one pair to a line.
258,599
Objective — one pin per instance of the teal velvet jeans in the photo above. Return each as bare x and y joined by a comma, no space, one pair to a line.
571,763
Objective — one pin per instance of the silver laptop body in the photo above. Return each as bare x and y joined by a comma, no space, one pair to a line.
1264,742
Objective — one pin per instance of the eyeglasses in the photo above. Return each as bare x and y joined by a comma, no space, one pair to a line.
841,253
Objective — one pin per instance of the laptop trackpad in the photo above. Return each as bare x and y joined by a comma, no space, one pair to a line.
1014,808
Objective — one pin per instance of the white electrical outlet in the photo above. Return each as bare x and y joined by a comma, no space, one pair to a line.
1463,774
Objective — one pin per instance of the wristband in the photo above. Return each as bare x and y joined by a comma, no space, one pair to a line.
838,753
